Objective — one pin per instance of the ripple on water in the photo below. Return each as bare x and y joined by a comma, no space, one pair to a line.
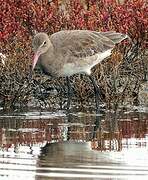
52,146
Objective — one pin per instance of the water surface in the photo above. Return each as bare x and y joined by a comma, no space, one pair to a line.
54,145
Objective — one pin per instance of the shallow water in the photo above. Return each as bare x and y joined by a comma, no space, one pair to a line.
54,145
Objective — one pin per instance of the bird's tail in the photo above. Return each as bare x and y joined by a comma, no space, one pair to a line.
115,37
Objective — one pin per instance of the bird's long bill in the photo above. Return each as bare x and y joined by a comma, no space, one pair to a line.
35,59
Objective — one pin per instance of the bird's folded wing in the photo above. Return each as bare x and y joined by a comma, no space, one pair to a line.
83,43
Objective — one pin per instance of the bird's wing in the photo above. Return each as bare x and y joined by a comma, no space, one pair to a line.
84,43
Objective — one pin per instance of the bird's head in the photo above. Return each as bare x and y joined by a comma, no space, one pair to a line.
41,44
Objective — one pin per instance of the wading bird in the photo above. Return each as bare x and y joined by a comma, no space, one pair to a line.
70,52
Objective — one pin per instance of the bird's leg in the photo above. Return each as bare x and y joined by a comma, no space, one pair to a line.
97,93
69,93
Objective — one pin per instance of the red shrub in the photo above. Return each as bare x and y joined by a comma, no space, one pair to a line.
22,17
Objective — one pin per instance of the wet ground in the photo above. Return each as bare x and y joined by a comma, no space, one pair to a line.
54,145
